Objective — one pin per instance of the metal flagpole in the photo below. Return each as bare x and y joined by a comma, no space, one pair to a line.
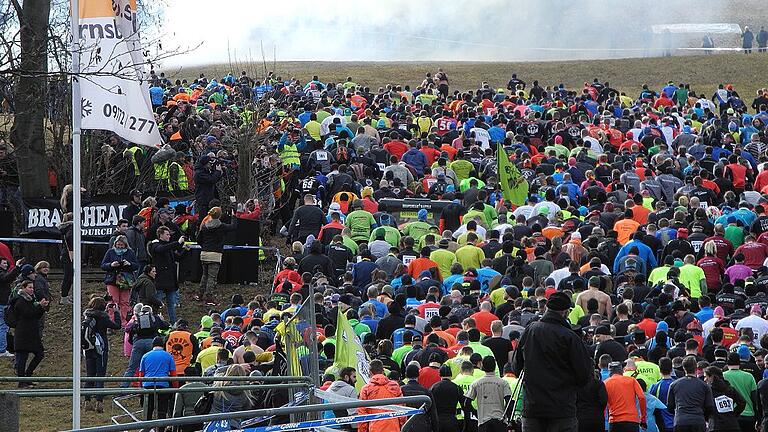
76,213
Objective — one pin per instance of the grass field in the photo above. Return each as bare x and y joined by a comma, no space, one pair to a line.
704,73
746,72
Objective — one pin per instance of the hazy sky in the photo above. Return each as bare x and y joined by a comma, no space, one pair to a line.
423,29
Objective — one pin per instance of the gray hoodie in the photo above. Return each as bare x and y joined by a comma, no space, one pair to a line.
343,388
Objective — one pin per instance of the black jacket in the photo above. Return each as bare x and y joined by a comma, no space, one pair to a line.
164,258
205,184
727,420
29,319
612,348
556,365
211,235
591,400
309,262
428,421
307,219
388,325
6,280
103,322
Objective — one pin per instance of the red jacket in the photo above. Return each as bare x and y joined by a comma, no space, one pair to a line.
396,148
379,387
291,276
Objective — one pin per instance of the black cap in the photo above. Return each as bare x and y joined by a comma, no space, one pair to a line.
559,302
601,330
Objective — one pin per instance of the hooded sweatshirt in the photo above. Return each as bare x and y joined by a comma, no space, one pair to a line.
343,388
211,236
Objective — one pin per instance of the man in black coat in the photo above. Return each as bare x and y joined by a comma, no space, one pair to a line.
556,364
307,219
316,259
164,255
207,174
428,421
606,344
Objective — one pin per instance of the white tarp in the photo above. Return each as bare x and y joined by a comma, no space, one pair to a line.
711,28
115,95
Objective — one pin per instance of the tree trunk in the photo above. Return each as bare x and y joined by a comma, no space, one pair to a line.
28,131
244,160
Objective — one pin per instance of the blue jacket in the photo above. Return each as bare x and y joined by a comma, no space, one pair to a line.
645,253
106,264
573,190
416,159
449,281
484,276
497,134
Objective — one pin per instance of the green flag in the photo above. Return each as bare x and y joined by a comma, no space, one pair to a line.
349,351
513,186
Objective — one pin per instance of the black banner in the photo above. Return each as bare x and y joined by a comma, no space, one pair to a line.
42,216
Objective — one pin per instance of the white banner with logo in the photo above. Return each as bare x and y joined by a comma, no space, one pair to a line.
115,94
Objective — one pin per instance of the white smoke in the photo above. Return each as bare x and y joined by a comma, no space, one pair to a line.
414,30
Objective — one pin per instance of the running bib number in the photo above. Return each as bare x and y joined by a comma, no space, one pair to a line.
322,156
724,404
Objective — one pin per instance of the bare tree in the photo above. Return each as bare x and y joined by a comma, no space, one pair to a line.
28,131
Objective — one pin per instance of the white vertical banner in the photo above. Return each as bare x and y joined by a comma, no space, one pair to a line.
114,90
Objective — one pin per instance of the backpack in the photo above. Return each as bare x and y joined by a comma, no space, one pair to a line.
10,314
144,322
342,154
90,338
204,404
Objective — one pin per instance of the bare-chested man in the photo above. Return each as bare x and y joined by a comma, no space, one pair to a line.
604,300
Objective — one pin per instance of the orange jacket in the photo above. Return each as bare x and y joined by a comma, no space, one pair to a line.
379,387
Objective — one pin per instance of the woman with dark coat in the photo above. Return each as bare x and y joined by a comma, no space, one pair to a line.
96,356
120,263
28,337
145,287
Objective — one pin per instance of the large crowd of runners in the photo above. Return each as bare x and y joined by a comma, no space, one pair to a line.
626,291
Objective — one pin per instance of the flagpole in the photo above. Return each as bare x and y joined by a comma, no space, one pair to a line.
76,213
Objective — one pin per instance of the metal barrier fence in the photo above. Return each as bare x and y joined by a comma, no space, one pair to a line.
9,399
425,402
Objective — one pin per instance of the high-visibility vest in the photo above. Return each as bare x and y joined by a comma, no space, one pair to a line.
132,151
161,171
290,154
181,177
